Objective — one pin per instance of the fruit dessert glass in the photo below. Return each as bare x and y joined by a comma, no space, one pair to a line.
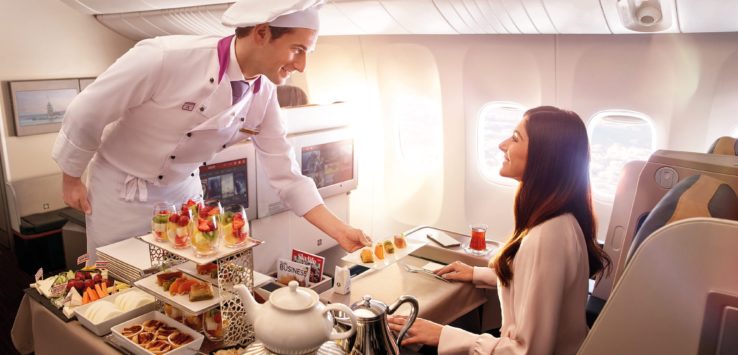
234,227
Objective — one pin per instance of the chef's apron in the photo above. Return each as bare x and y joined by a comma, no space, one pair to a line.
113,217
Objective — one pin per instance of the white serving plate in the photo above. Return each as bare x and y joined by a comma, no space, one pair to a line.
104,327
412,245
191,269
189,348
189,253
149,285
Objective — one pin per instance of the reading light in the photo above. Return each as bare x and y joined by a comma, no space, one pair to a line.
642,15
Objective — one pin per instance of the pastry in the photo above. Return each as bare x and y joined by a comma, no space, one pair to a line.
179,339
200,292
152,325
164,332
366,256
131,331
400,241
143,338
164,276
159,346
389,248
379,251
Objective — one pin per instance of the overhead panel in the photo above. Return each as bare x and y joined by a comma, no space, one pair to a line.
538,14
492,18
120,6
418,16
617,26
334,22
369,16
119,24
520,16
448,11
708,15
498,8
575,16
474,10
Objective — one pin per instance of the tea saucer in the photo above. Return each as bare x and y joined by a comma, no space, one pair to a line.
471,251
328,348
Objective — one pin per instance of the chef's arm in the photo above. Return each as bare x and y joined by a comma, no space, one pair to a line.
75,193
348,238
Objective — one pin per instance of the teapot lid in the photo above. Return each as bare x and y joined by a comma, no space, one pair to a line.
368,308
293,298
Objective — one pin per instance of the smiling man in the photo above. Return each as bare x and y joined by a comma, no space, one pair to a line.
168,105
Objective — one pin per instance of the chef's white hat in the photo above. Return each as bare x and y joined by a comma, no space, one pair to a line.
278,13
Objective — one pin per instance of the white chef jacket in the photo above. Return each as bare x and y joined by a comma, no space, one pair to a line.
157,114
543,309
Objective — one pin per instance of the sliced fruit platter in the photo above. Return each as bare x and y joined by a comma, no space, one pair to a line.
71,289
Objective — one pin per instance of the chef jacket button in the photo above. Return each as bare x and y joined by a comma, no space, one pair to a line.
172,156
233,114
161,177
224,146
212,80
189,134
193,174
202,108
242,119
204,163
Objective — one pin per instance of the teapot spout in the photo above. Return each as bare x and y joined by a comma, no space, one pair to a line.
252,307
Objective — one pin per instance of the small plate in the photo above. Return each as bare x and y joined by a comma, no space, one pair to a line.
471,251
412,245
149,285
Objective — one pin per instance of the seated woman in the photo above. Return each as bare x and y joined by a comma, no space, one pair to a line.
542,271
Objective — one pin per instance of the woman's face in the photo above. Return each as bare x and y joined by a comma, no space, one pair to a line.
516,152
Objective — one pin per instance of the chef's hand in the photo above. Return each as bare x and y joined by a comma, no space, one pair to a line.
422,331
349,238
353,239
456,271
75,194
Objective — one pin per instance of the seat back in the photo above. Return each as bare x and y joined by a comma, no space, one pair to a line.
677,295
724,146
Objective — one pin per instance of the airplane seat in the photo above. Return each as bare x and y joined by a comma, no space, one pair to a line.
678,293
724,146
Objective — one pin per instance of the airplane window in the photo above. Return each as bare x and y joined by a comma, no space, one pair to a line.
617,137
497,120
419,128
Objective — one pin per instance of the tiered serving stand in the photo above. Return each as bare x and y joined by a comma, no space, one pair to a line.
235,266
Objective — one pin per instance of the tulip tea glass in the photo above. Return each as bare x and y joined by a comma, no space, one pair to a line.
162,211
234,226
478,243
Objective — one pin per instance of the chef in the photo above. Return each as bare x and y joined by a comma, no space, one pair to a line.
169,104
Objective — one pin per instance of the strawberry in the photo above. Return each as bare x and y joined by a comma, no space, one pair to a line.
189,203
217,318
204,227
183,221
238,224
211,224
173,218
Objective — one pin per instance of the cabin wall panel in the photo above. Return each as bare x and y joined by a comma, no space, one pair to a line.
47,39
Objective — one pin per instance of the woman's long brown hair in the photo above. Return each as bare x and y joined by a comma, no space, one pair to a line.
555,182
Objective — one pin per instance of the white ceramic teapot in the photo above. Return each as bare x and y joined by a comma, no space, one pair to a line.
293,321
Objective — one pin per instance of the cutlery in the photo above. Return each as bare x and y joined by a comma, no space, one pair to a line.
414,270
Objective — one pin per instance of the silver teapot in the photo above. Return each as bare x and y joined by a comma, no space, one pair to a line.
373,335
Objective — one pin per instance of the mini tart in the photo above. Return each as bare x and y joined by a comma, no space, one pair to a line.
152,325
179,339
159,346
143,338
131,331
164,332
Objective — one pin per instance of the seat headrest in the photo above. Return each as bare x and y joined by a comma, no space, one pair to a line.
695,196
724,146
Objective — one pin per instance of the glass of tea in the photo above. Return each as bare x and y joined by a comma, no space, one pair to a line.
478,243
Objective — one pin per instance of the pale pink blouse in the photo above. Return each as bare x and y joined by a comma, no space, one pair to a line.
543,310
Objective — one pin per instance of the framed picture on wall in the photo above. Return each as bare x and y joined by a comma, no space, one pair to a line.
39,105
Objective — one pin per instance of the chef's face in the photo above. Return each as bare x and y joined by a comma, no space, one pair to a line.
516,152
288,53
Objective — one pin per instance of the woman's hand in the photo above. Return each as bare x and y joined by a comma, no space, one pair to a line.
456,271
422,331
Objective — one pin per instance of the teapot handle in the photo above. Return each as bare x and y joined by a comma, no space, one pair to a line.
345,309
410,319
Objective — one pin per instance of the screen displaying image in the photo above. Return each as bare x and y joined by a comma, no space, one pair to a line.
330,163
226,182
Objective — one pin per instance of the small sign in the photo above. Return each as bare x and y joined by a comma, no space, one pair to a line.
58,290
102,264
39,274
82,259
